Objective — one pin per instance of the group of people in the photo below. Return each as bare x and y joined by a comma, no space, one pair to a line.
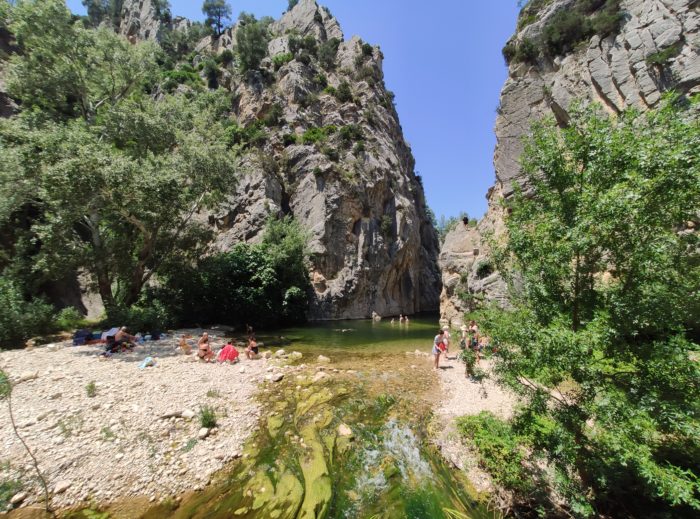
469,339
402,319
228,353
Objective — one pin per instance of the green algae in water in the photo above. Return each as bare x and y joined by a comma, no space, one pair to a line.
302,467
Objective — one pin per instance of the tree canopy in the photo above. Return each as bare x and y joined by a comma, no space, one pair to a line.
113,170
218,12
601,341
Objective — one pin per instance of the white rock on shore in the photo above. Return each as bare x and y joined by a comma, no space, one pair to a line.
137,436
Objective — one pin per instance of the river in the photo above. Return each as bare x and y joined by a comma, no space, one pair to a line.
348,439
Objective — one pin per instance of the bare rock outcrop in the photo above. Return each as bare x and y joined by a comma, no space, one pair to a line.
338,164
656,49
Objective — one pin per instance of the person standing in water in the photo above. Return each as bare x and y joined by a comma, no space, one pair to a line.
438,347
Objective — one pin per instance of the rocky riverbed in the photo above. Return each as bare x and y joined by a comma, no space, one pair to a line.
139,434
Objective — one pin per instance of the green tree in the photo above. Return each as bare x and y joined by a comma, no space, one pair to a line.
251,41
604,276
291,4
218,12
67,70
104,11
113,176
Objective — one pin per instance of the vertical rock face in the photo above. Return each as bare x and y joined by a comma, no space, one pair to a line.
656,49
373,248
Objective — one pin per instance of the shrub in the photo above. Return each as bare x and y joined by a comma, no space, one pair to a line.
226,57
299,45
663,56
320,80
69,319
147,316
289,138
344,93
566,29
251,135
185,75
331,153
387,225
500,449
330,90
248,284
308,100
282,59
21,319
315,135
207,417
273,116
91,389
8,488
359,148
367,50
251,40
526,51
211,72
291,4
350,133
484,269
304,58
327,53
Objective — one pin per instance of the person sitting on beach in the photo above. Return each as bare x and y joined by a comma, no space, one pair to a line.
229,353
438,347
251,350
205,353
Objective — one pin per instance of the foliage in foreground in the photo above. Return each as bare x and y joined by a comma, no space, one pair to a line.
601,342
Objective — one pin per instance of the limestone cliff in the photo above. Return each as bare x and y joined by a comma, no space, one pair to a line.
656,48
338,163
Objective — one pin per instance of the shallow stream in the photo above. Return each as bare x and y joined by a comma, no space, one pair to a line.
342,440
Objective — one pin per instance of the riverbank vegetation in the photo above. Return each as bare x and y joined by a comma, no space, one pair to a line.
601,341
106,168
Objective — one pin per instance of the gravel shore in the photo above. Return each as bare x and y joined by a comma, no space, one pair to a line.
462,396
139,435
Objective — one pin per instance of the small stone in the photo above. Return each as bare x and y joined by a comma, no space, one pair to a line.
119,456
323,359
28,375
188,414
344,430
18,498
277,377
55,396
280,353
242,370
296,355
61,487
266,354
320,376
203,433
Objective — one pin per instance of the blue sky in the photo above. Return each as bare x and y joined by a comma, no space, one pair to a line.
443,61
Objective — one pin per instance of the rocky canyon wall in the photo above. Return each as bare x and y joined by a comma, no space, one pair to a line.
373,247
656,49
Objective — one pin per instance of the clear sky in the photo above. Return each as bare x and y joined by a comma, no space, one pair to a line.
442,59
